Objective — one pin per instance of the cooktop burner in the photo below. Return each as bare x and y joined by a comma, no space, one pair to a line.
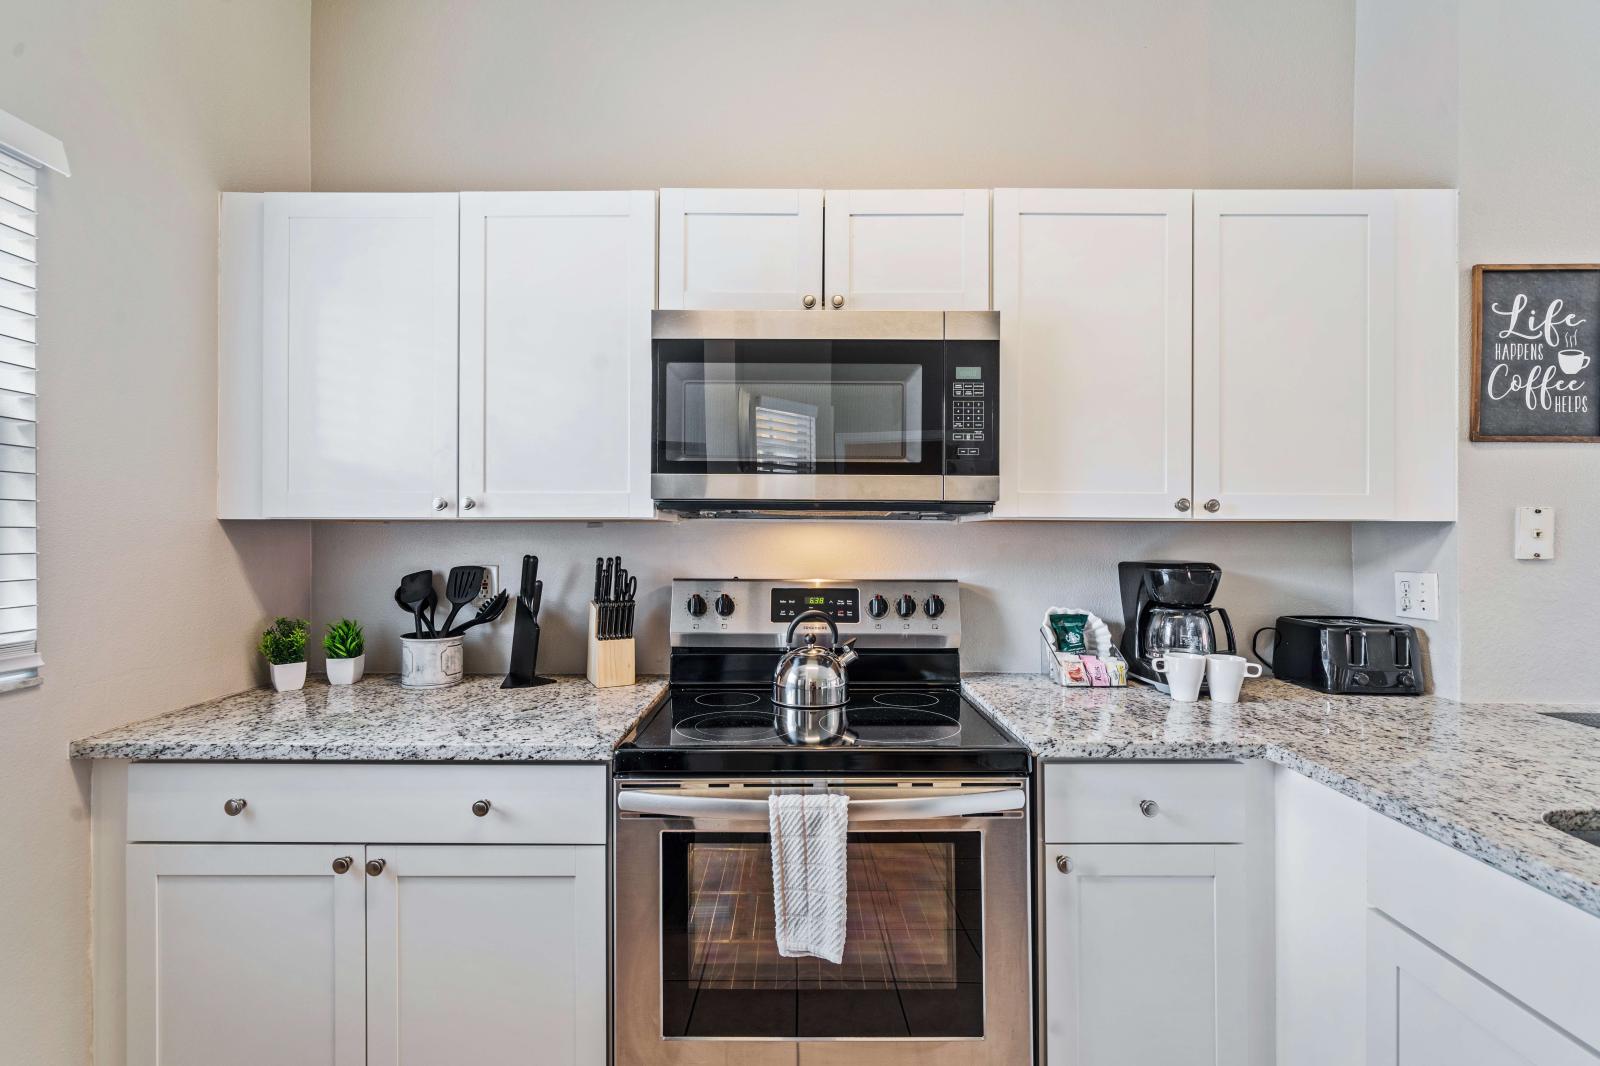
723,730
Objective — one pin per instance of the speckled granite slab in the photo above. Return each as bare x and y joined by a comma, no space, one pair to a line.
1479,777
376,720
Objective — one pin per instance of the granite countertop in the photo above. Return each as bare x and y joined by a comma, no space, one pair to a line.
1477,776
377,720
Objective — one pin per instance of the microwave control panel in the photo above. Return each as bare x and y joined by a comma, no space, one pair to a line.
972,403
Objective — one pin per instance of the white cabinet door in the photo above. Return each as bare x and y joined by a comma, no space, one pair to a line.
492,955
1093,290
556,294
1425,1009
245,954
359,355
1144,949
741,248
908,249
1294,354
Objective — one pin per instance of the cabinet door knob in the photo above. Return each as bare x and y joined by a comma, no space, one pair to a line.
468,503
375,867
480,807
1182,504
808,301
1063,864
342,864
1149,808
440,503
838,301
1213,506
234,807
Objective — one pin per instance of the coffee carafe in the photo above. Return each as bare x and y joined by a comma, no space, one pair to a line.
1166,607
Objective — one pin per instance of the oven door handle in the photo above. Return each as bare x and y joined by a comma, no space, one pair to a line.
947,805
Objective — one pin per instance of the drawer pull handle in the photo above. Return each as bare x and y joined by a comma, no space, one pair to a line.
342,864
375,867
1063,864
234,807
1149,808
480,808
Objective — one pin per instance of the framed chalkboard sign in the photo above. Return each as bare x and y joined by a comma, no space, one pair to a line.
1535,356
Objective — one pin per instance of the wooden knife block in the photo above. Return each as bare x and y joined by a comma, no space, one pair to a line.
610,661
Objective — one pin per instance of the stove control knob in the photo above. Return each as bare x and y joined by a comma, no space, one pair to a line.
696,605
877,607
905,607
933,606
724,605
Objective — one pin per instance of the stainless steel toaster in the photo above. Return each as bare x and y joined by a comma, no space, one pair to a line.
1339,653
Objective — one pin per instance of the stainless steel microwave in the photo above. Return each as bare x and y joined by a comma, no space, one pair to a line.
880,414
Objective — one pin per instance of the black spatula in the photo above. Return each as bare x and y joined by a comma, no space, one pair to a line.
461,589
414,589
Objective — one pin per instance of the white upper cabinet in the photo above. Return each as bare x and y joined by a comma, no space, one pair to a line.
741,248
556,293
358,355
1294,354
1093,290
914,249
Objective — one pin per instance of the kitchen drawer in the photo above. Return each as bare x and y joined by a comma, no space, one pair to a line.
372,803
1193,803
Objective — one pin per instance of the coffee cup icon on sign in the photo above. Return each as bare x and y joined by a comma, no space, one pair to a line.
1572,360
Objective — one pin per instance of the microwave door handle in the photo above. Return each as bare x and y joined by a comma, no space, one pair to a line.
949,805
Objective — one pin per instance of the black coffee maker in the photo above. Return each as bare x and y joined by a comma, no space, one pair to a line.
1166,606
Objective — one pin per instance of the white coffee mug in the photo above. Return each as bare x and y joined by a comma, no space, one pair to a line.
1572,360
1225,675
1184,671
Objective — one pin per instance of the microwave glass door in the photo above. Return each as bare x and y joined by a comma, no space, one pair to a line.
798,407
913,957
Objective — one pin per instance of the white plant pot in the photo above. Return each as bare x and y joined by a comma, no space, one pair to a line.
347,671
289,677
432,662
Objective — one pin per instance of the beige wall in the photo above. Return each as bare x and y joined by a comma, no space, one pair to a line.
147,602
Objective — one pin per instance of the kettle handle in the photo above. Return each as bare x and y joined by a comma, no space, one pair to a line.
812,615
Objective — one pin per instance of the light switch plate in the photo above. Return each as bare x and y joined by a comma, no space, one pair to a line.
1416,595
1536,533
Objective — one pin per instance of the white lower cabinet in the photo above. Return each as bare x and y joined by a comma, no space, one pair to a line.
1143,954
1425,1009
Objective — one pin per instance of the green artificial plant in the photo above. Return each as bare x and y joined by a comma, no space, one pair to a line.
344,639
284,642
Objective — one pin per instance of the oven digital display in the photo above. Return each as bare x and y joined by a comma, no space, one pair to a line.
844,605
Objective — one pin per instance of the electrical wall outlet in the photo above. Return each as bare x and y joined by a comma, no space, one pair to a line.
490,587
1416,595
1536,533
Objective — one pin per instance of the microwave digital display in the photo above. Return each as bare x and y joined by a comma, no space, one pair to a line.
969,373
842,605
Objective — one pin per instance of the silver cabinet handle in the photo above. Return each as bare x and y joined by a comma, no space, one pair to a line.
468,503
480,807
375,867
440,503
342,864
1149,808
838,301
808,301
234,807
1063,864
1182,504
1213,506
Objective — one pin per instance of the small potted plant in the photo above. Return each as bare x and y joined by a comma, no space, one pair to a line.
347,652
284,646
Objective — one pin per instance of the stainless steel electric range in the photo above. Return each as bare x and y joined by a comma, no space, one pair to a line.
936,964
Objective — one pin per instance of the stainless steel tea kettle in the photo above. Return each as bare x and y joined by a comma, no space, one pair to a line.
812,675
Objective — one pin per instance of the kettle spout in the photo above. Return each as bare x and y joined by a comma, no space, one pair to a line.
846,653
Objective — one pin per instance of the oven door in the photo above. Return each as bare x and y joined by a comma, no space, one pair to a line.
936,962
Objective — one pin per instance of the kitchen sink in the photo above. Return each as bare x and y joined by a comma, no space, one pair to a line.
1585,825
1589,718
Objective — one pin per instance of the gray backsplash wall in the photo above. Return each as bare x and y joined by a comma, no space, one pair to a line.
1010,571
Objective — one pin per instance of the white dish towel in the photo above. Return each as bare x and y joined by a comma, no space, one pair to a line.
809,835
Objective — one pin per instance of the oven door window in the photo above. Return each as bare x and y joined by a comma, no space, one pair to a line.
913,956
798,407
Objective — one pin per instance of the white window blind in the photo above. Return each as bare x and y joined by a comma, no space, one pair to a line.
19,560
